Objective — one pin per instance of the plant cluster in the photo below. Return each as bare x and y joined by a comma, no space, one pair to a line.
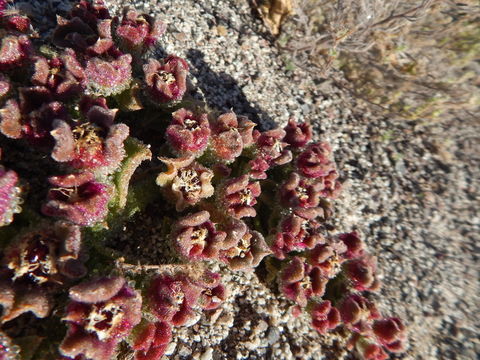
71,100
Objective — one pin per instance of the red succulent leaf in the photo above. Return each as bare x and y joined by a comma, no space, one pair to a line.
63,75
152,341
357,313
372,351
272,148
213,293
327,258
90,145
258,168
139,31
300,281
226,141
5,86
11,120
297,233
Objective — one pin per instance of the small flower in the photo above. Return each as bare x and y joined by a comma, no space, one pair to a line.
173,297
300,281
152,340
213,293
94,145
298,192
355,246
250,249
36,263
230,135
10,199
101,313
361,272
272,148
391,333
137,32
357,313
327,258
226,142
316,161
14,52
324,316
109,77
258,167
298,231
297,135
87,28
166,81
239,196
77,198
188,133
63,75
196,238
187,181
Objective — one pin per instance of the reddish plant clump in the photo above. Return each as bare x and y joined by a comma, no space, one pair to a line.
225,186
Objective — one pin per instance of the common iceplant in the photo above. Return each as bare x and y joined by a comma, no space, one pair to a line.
69,105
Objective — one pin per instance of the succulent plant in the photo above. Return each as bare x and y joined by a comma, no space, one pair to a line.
166,80
228,195
101,313
137,32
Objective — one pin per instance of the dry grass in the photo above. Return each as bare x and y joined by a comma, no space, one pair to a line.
417,58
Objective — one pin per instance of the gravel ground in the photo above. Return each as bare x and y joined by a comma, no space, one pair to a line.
410,190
